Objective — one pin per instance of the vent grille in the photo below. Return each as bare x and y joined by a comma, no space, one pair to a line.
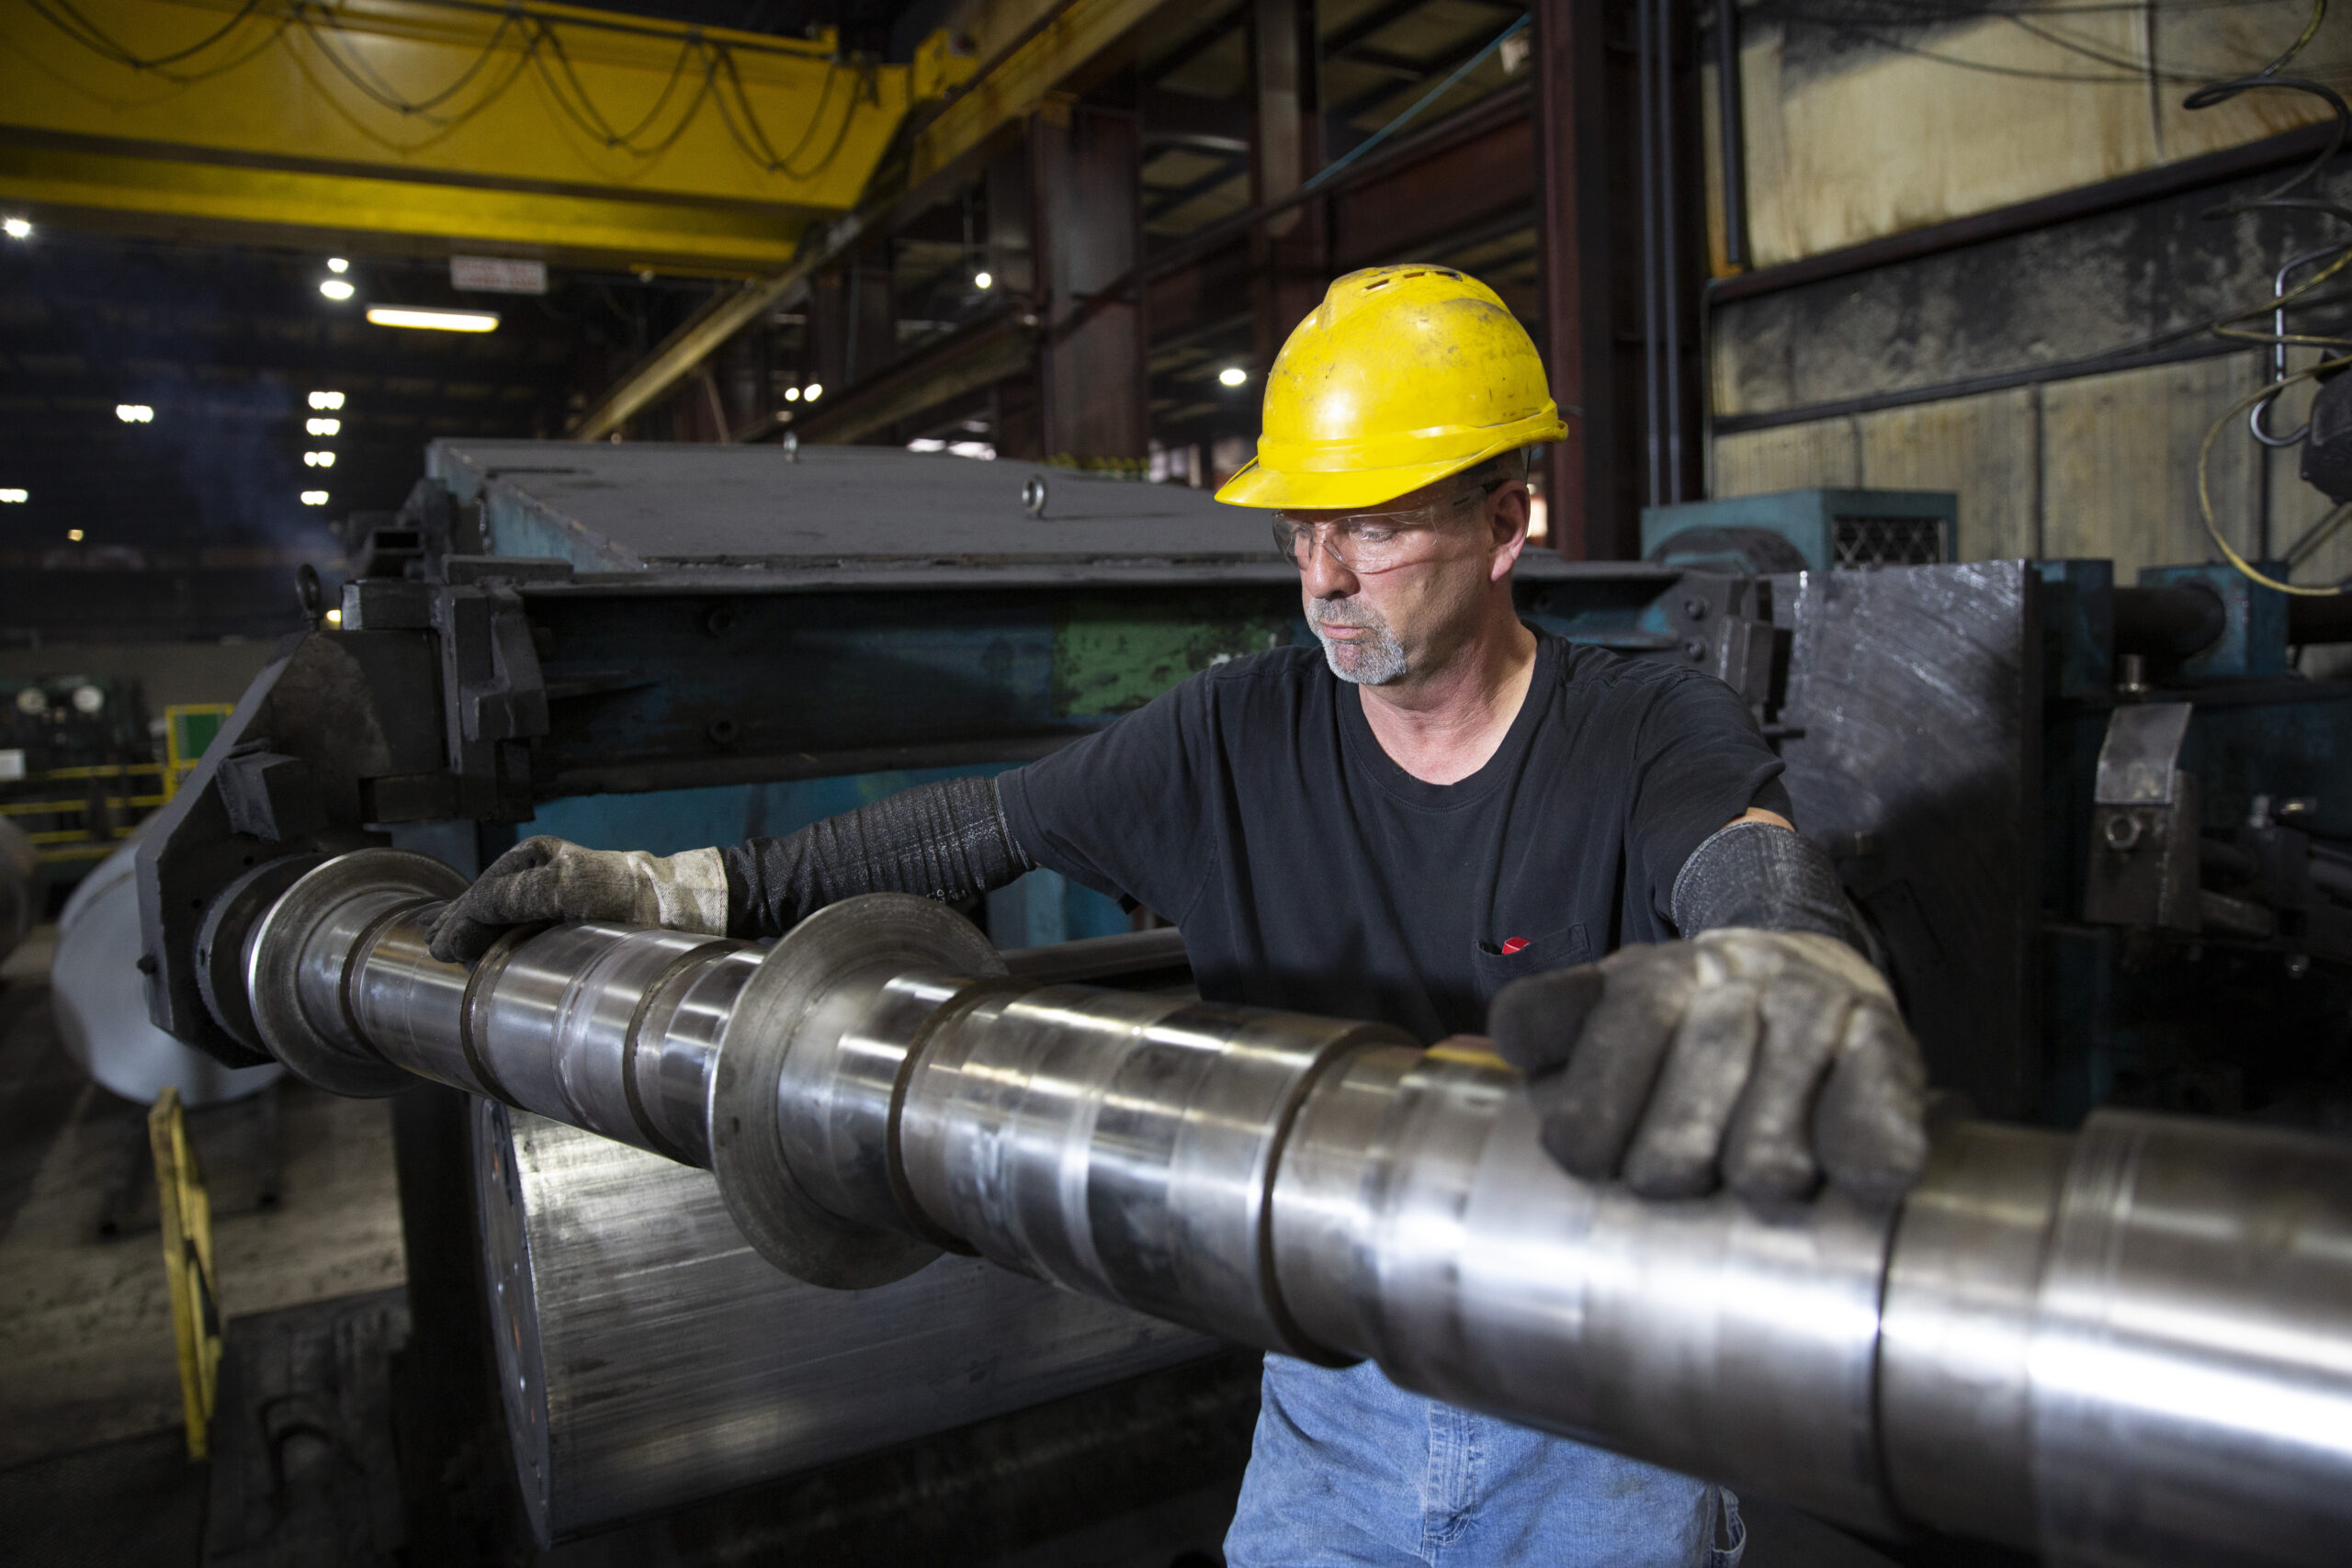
1887,541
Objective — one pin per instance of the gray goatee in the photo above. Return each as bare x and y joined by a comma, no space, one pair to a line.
1373,661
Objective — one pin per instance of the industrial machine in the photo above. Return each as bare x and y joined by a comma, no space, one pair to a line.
102,1020
2122,1346
77,767
2041,787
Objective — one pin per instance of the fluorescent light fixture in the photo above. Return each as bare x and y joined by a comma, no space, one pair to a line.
326,400
323,427
336,264
134,414
14,497
980,450
498,274
1233,375
984,279
334,616
792,394
318,459
16,228
314,498
335,289
814,391
74,535
433,321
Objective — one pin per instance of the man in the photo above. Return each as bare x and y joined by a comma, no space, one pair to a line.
1444,820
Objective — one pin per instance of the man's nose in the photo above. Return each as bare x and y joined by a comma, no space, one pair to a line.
1325,576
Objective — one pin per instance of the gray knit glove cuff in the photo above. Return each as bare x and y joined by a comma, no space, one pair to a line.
1764,878
947,840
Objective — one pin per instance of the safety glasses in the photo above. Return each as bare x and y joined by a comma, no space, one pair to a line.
1369,541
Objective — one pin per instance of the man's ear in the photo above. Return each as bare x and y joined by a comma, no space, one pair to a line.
1509,510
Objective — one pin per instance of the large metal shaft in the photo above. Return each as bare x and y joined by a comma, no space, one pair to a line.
2129,1346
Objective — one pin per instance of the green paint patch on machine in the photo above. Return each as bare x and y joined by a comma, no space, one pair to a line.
1112,656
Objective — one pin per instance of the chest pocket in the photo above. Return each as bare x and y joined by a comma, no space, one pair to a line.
1498,961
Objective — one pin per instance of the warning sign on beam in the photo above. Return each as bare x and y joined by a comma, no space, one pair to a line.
498,274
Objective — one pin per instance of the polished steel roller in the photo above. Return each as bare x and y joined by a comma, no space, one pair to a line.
2129,1346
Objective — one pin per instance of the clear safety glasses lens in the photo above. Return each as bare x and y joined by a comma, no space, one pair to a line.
1367,541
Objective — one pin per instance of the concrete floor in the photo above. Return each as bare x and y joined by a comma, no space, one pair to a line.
86,1356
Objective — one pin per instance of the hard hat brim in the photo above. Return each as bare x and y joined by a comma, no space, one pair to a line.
1257,485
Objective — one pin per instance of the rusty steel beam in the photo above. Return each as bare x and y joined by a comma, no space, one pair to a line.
970,358
1088,189
1062,40
1291,249
1436,199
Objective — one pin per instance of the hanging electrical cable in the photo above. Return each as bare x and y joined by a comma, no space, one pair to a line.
2205,488
102,44
590,119
753,137
1865,24
76,25
2335,347
372,86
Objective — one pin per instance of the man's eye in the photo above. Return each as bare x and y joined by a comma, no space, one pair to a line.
1371,532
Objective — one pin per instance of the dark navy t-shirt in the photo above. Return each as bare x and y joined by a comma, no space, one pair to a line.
1253,807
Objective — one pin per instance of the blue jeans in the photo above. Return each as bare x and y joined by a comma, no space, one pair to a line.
1347,1467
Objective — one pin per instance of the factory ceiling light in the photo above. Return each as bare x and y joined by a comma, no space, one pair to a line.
435,321
17,228
134,414
335,289
314,498
14,497
326,400
336,264
323,427
1233,375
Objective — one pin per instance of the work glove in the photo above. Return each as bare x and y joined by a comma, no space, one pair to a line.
544,879
1763,1060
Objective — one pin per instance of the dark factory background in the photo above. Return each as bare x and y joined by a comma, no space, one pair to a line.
285,286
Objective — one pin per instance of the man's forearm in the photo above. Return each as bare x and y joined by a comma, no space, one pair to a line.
946,840
1761,876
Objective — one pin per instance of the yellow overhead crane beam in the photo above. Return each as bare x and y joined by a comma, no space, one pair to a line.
547,130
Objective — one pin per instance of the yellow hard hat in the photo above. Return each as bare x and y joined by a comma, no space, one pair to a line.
1402,376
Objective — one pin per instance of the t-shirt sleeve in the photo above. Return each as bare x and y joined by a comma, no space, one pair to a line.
1126,811
1701,761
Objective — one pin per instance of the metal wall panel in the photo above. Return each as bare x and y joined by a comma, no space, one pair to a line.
2119,464
1983,448
1823,454
2098,466
1848,142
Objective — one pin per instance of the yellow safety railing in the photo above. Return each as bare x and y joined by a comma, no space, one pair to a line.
187,1264
188,728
